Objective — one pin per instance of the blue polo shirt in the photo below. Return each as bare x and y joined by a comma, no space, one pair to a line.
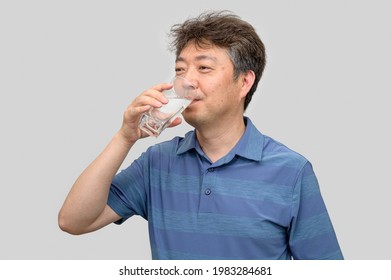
260,201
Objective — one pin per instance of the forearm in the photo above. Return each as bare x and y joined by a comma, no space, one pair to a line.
83,209
88,196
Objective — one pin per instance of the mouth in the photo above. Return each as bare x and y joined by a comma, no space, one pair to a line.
194,101
190,106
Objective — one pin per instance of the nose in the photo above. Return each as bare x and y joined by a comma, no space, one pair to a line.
186,83
189,84
183,86
191,77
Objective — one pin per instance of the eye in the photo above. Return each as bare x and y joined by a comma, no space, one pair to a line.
179,70
204,68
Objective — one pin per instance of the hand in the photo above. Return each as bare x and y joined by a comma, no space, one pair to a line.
152,97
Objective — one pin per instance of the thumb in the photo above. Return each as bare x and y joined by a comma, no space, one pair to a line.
176,122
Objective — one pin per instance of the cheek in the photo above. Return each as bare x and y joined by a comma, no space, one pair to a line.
218,91
208,87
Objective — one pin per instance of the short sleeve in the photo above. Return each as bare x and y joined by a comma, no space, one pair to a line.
128,195
311,234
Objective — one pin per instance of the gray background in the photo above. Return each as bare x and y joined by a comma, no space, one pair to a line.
68,70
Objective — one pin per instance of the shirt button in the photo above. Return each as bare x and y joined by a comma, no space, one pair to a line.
208,191
211,169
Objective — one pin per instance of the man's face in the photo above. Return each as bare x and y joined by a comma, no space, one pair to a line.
220,96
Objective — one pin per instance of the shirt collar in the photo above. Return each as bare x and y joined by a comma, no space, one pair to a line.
250,146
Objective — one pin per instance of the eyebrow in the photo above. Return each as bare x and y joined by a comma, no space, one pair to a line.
198,58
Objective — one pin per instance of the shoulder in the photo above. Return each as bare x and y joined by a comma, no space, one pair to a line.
269,151
170,147
276,153
287,165
165,146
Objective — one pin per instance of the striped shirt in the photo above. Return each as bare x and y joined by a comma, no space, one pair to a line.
260,201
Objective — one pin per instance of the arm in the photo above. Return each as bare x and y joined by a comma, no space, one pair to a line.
311,235
85,209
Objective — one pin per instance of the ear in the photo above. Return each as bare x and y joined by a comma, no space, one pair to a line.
247,80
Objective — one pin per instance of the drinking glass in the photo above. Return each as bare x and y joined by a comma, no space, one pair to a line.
179,97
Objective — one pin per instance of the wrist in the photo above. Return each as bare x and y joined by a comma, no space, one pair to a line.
123,140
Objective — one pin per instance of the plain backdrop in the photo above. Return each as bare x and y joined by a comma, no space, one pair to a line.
69,69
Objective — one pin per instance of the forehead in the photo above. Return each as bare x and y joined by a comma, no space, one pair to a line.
192,53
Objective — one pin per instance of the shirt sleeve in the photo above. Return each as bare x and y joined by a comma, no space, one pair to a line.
128,195
311,234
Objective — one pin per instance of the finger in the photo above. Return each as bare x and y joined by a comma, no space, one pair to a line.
155,95
142,109
134,112
162,87
151,100
176,122
152,97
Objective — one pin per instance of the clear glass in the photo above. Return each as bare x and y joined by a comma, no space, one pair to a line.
179,97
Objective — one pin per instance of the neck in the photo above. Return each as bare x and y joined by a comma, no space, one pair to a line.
217,142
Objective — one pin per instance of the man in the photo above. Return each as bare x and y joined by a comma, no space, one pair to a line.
224,191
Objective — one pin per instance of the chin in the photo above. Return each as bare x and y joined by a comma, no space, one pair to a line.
191,117
195,119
